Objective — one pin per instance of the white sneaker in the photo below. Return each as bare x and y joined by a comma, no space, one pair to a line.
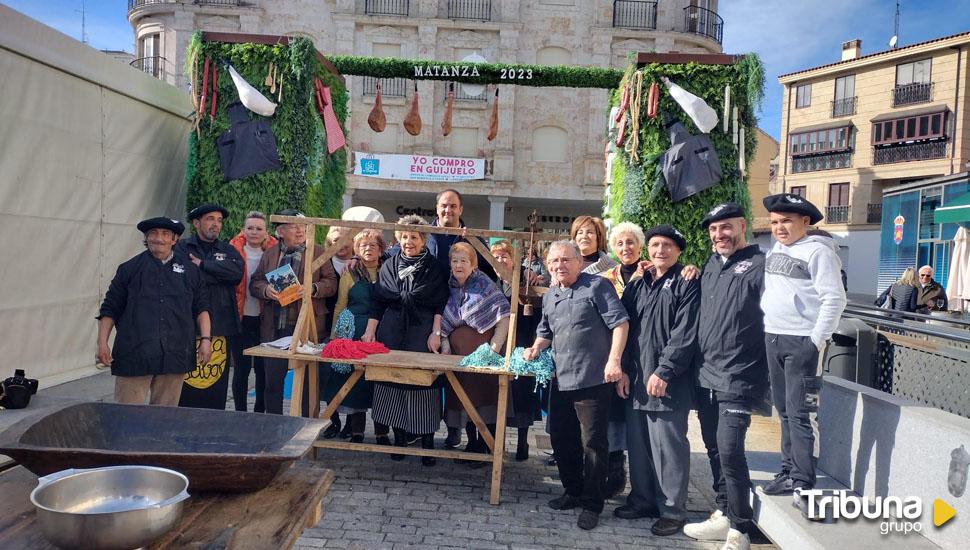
736,540
713,528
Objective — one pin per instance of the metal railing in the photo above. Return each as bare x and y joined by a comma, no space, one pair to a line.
399,8
909,152
132,4
815,163
153,65
837,214
874,213
390,87
704,22
844,107
460,94
635,14
910,94
474,10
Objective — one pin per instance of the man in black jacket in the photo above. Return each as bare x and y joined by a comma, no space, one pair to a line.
733,374
222,269
657,366
153,300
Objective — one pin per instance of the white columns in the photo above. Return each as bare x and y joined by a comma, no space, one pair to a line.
496,212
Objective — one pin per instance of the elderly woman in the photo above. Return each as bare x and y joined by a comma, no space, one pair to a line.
589,234
354,297
340,261
406,306
477,313
525,399
626,240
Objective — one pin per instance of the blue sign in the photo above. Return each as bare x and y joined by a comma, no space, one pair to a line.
370,167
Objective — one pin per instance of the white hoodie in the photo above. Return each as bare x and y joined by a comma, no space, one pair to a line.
803,293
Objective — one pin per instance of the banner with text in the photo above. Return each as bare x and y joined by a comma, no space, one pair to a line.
418,167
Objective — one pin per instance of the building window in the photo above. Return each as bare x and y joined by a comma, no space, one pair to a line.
826,140
803,96
149,59
799,190
913,84
845,99
550,144
387,7
922,127
838,206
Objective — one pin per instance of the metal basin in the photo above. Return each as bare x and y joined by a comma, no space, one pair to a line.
116,508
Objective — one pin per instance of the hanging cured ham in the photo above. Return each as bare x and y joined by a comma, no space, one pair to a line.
449,108
412,122
493,125
376,119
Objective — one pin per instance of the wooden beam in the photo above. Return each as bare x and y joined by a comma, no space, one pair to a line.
510,235
514,317
342,393
296,393
391,449
470,409
479,247
644,58
328,252
498,453
269,40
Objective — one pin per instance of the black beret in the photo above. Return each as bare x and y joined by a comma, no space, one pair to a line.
174,226
288,212
667,231
722,211
794,204
204,209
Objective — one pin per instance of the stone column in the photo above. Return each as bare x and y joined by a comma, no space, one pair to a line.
348,198
496,212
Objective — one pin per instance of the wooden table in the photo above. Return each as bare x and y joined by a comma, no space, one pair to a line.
271,518
405,367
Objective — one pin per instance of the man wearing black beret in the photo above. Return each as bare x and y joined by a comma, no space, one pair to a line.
803,300
153,300
733,373
222,269
657,368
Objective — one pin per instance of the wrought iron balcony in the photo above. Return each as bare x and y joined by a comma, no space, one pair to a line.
474,10
634,14
874,213
844,107
153,65
460,94
837,214
910,94
390,87
927,150
704,22
828,161
132,4
400,8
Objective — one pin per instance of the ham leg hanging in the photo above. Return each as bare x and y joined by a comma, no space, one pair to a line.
493,125
412,122
446,123
376,119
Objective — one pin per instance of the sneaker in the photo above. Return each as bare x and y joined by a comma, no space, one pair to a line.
715,527
565,502
587,520
781,485
800,503
736,540
664,527
629,512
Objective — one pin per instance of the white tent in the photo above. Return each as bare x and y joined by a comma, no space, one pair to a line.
958,280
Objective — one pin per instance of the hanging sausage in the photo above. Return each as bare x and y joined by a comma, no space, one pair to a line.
412,122
493,125
449,108
376,119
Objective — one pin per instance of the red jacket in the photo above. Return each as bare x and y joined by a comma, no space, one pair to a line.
238,243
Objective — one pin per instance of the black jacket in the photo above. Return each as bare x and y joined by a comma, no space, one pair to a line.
901,297
731,330
222,269
662,339
154,307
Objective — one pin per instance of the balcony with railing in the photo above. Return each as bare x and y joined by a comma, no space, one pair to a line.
837,214
396,8
911,94
461,95
390,87
927,150
635,14
471,10
153,65
828,161
844,107
133,4
704,22
874,213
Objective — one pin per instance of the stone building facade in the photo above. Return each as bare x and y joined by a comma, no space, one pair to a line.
548,155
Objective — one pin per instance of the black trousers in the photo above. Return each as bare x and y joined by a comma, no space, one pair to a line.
725,419
578,422
793,367
240,370
275,373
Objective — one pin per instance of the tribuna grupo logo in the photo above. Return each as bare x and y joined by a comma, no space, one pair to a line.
895,514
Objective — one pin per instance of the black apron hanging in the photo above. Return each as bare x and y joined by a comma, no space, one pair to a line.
248,147
690,165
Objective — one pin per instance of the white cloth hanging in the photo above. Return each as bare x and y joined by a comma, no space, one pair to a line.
703,115
250,97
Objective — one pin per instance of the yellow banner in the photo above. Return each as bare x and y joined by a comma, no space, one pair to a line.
208,374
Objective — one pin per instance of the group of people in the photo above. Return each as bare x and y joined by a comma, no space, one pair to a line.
636,343
914,293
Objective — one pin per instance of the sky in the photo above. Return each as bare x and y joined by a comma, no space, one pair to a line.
789,35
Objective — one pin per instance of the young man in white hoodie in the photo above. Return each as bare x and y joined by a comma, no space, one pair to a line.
803,300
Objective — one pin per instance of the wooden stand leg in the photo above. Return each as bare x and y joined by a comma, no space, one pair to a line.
296,395
344,390
498,453
313,379
470,409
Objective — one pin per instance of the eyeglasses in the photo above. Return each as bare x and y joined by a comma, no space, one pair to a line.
924,275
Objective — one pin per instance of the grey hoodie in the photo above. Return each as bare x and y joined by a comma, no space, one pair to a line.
803,289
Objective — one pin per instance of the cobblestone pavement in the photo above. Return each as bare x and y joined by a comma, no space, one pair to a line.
379,503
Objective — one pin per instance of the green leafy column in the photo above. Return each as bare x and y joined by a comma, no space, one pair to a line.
638,193
310,179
